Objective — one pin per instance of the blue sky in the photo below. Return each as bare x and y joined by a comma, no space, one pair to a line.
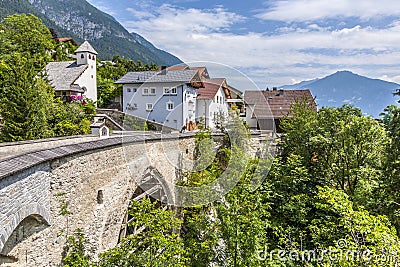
273,42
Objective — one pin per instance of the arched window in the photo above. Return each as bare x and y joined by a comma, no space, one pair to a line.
82,56
90,57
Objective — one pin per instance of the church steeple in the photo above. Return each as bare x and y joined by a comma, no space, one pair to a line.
85,54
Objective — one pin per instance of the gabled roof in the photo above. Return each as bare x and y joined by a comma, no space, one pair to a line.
276,103
185,76
62,75
86,47
211,87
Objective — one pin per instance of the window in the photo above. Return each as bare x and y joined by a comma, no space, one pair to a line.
152,91
134,90
169,91
170,105
129,90
82,56
145,91
131,106
149,106
90,57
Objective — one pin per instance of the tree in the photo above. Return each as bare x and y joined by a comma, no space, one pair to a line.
244,217
339,146
28,36
25,100
388,191
155,243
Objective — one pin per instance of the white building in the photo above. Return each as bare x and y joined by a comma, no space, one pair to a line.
75,78
212,103
167,96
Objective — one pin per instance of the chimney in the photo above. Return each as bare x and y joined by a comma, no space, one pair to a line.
274,88
164,70
281,91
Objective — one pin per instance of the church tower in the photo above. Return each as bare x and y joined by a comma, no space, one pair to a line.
86,55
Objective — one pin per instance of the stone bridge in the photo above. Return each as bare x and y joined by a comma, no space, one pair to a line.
45,195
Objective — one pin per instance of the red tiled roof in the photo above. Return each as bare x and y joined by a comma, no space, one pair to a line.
275,104
211,87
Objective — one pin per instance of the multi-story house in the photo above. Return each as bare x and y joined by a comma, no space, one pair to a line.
212,103
166,96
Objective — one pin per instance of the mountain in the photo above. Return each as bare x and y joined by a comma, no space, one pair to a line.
165,56
80,20
345,87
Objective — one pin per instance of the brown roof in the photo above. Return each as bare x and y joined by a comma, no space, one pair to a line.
211,87
178,67
65,39
202,71
275,104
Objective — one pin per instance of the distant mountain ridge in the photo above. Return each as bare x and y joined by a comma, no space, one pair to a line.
80,20
346,87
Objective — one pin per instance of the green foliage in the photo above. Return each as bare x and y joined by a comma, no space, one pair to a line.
156,243
76,252
340,147
27,36
244,218
388,191
357,229
25,101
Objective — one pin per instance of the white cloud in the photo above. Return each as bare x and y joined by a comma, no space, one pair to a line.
311,10
292,54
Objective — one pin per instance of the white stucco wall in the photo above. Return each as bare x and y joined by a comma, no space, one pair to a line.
88,78
251,122
184,103
210,108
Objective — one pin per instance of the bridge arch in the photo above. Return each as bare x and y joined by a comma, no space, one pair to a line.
32,212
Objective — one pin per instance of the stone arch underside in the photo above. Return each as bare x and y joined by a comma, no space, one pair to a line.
34,211
151,184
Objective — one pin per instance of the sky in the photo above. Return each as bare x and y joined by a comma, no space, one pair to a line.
272,42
